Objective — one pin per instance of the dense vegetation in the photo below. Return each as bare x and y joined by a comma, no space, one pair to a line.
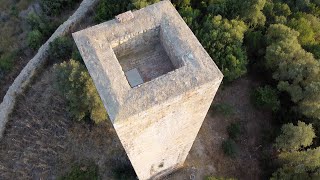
75,83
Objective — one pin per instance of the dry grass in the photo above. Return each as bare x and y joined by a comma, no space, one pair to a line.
41,141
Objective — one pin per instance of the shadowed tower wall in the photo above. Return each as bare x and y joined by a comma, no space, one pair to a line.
158,140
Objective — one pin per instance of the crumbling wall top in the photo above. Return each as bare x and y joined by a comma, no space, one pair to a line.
126,16
122,101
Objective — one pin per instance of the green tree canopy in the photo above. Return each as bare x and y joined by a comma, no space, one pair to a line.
276,12
295,137
76,85
223,40
296,70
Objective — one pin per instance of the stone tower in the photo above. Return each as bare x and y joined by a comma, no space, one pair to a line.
155,80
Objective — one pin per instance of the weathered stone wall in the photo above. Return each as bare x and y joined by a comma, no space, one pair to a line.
134,42
158,140
36,63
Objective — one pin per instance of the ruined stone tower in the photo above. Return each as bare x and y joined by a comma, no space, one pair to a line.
155,80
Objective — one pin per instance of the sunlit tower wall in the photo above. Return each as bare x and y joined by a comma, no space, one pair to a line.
156,81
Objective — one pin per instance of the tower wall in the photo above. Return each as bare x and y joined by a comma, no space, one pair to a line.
158,140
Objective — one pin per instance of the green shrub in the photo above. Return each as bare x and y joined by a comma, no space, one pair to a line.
224,109
35,39
76,55
266,98
6,61
55,7
229,148
61,49
138,4
82,172
234,130
76,85
42,24
34,20
294,137
107,9
217,178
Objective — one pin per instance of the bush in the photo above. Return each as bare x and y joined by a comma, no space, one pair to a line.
76,55
138,4
266,98
82,172
6,61
55,7
229,148
107,9
224,109
35,39
76,85
234,130
42,24
34,21
61,49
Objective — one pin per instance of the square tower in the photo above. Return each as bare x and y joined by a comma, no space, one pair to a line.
156,81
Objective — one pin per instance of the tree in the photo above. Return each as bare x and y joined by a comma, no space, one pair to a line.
296,70
252,13
276,12
266,98
296,162
35,39
299,165
255,43
190,16
138,4
306,33
76,85
223,40
60,48
107,9
181,3
293,137
54,7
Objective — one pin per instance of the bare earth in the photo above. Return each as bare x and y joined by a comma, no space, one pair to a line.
41,141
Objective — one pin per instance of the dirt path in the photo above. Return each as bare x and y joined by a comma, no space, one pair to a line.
41,141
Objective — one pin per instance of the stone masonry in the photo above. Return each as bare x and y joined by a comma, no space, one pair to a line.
156,81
